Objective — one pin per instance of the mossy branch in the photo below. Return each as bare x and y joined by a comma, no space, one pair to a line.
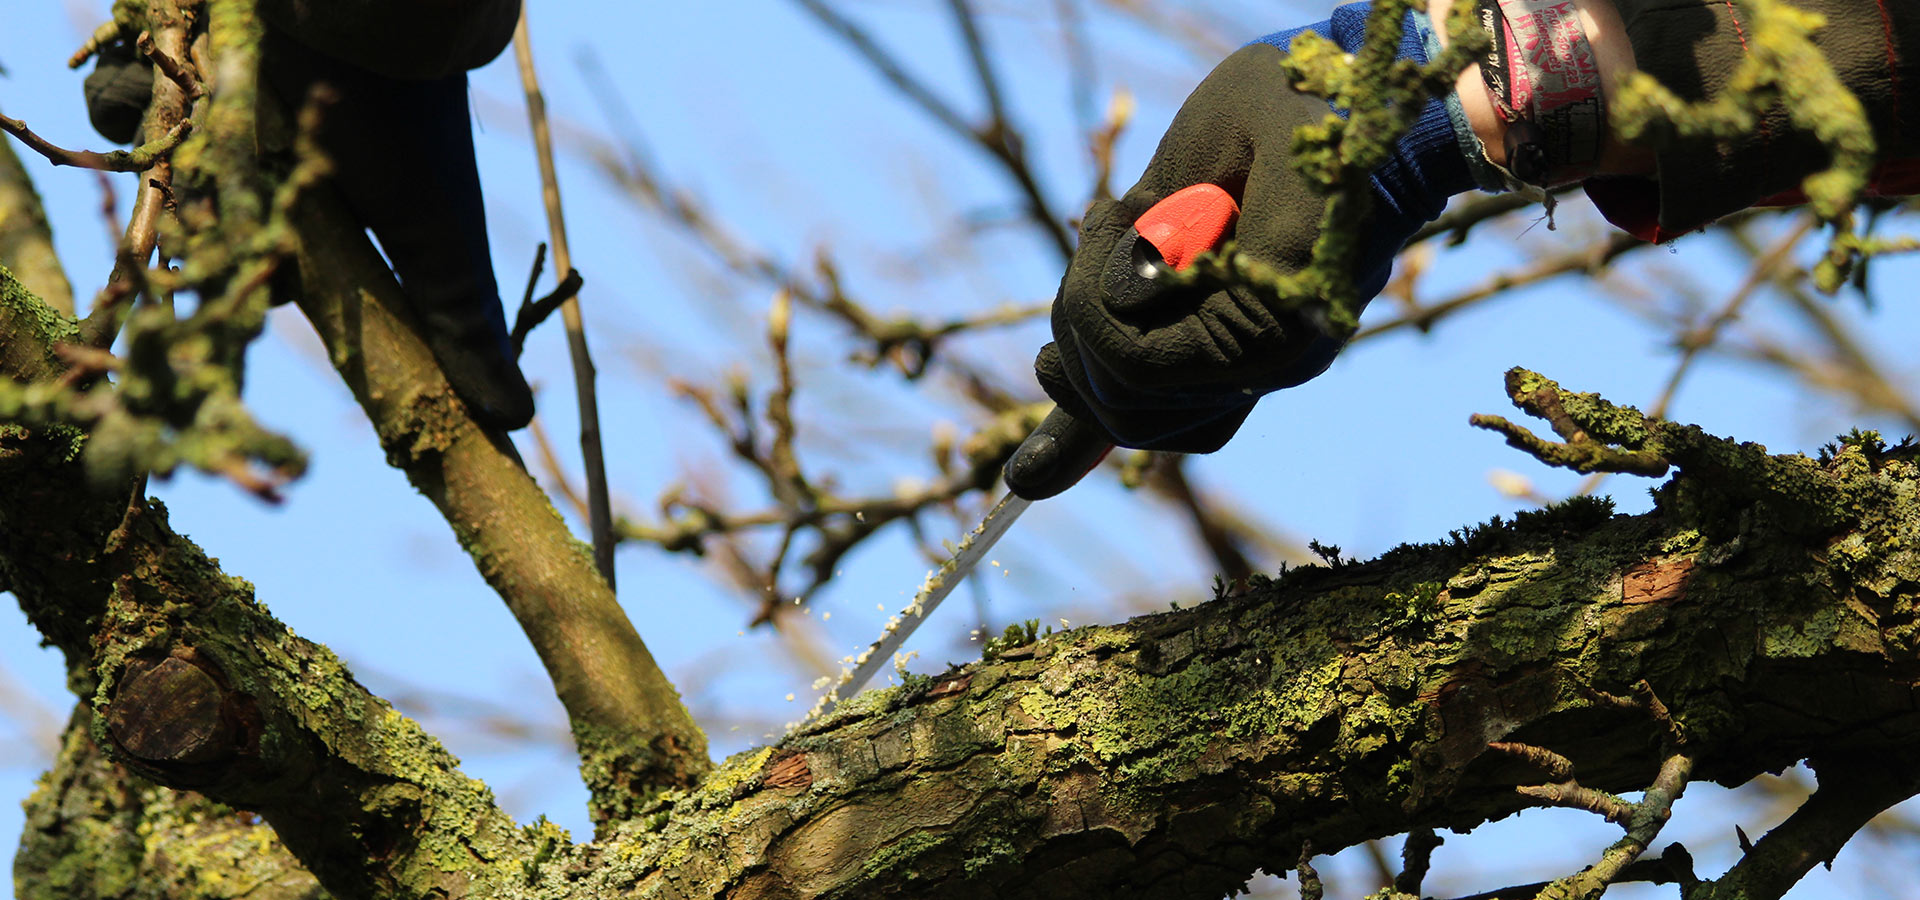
1103,762
1598,436
1098,762
192,684
94,830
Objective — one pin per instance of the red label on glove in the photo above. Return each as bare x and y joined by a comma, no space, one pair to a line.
1189,222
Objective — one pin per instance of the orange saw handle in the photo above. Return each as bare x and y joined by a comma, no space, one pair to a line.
1063,449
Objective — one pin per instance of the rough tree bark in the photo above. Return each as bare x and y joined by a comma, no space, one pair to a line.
1767,604
1764,613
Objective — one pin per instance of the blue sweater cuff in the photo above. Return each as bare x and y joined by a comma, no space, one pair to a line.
1428,165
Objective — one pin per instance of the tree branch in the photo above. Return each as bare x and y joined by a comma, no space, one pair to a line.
197,686
592,456
1853,790
136,160
633,734
1171,756
130,831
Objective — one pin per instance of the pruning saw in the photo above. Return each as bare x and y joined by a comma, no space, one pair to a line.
1062,449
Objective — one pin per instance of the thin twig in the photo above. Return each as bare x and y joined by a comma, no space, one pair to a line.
533,313
1584,260
999,142
107,33
167,112
600,506
188,82
138,159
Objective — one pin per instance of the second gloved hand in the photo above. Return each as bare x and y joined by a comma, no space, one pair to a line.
1178,368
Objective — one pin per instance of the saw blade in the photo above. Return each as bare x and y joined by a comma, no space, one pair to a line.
940,582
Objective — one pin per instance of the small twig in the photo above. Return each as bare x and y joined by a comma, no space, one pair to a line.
1571,795
789,484
1311,887
599,504
1581,261
139,159
1580,451
107,33
1461,218
1695,340
532,314
1550,764
1103,140
189,82
533,281
999,142
1645,700
135,250
1416,858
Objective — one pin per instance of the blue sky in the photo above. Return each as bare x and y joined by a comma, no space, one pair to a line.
795,146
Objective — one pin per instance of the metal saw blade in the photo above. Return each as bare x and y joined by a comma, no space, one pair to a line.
940,582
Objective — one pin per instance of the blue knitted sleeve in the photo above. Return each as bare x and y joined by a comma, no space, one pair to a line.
1427,167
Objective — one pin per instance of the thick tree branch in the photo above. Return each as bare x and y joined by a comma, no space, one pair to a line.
634,735
194,685
96,830
1168,757
1171,756
1852,791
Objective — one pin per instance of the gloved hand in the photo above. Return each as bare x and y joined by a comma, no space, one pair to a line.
1179,368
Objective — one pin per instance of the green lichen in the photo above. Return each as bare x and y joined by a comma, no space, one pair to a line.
988,854
25,314
899,859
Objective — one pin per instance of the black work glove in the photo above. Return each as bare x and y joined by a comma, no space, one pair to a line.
1178,368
